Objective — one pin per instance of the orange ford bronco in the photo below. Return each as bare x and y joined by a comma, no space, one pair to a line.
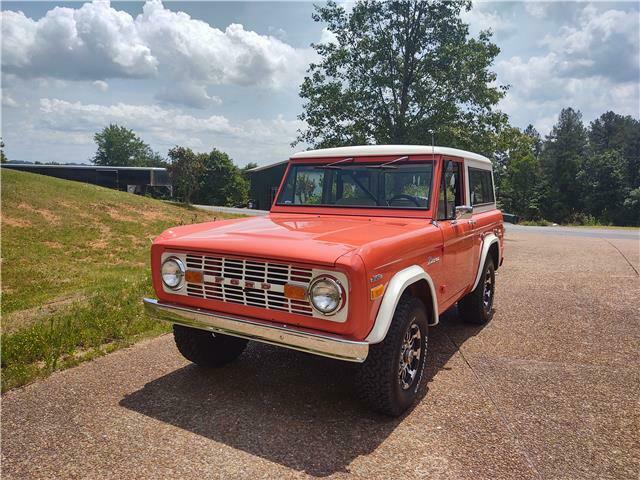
363,249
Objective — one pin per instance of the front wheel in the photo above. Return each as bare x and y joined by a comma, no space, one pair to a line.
477,306
390,379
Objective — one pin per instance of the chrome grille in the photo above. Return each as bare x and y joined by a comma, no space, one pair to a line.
231,280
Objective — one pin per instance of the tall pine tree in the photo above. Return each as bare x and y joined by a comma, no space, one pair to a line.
561,159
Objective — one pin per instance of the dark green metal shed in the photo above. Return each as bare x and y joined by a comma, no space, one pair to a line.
264,183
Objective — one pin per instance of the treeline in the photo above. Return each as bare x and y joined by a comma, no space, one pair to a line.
201,178
576,174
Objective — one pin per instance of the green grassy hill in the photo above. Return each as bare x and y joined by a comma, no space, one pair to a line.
75,264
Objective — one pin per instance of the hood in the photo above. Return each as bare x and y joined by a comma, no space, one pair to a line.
317,239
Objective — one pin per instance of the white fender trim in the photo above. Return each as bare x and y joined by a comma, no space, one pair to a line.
488,240
392,294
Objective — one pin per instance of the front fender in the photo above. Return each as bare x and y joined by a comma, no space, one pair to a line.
396,287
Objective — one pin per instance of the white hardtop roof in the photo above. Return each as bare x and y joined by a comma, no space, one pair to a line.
372,150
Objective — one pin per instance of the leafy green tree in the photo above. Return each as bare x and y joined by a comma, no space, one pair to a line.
120,146
186,170
3,157
621,133
221,182
603,180
562,154
245,170
398,70
536,139
518,188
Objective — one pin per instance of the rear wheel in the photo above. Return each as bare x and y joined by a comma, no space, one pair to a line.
477,306
390,379
207,349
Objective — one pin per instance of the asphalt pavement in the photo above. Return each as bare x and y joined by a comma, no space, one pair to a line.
548,390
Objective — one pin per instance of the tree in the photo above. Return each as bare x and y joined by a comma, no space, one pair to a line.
3,157
246,168
186,170
221,182
517,188
622,134
562,154
398,70
120,146
603,180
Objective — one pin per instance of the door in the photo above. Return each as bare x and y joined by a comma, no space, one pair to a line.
457,235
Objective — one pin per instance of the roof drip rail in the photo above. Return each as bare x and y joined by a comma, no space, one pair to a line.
390,164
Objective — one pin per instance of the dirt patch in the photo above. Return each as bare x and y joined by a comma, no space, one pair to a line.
43,212
103,239
55,245
15,222
117,214
15,321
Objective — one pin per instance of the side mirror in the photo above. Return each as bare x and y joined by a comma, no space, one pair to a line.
464,212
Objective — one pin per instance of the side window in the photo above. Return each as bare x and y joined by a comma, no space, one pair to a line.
451,193
480,186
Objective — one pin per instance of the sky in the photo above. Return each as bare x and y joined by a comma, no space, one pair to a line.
227,74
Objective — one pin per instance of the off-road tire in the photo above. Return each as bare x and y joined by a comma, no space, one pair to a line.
473,308
378,380
207,349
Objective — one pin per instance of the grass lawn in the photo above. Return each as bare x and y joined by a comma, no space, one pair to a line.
75,265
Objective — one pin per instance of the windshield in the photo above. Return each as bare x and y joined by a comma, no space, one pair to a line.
371,186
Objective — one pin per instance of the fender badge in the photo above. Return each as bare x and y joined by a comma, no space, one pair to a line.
432,260
375,278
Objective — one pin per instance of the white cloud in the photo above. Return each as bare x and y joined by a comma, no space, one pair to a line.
189,94
604,43
591,65
8,101
98,42
101,85
484,16
327,36
536,9
250,140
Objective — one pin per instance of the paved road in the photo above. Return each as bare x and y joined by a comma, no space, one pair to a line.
549,389
618,233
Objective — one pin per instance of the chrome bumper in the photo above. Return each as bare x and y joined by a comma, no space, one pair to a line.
282,336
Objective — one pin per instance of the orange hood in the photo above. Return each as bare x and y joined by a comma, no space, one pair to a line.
311,239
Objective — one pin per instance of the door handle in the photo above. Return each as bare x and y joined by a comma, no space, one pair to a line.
472,222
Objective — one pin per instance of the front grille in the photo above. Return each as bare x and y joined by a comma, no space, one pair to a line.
248,282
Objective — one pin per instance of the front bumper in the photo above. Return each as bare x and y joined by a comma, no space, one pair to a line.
289,337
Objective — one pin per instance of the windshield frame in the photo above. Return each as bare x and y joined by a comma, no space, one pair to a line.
374,161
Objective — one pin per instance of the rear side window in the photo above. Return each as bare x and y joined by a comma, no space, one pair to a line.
480,186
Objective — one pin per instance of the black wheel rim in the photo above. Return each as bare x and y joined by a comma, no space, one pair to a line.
487,293
411,353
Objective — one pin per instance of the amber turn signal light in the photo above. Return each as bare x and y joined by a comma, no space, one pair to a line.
377,291
193,276
295,292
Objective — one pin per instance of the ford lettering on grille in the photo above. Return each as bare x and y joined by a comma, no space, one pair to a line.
248,282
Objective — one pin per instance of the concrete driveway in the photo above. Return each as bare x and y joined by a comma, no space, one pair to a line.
549,389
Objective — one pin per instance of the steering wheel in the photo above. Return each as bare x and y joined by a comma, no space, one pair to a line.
405,197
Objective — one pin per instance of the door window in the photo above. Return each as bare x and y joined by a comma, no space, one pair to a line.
451,193
480,186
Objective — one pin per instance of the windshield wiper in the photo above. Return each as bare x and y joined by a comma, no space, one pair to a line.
334,165
390,164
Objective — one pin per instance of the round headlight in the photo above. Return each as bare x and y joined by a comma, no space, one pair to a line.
326,295
173,273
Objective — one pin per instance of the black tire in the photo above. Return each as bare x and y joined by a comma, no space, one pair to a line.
477,306
379,378
207,349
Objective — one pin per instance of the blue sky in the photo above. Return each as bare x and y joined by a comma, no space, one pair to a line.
226,74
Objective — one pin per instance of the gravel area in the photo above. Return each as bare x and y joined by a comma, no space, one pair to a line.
549,389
